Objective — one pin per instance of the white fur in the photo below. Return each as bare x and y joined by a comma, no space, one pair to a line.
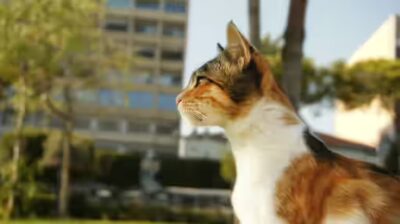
263,146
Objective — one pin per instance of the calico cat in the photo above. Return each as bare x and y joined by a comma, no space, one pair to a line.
284,173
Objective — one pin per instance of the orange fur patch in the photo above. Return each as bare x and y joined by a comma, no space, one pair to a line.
270,87
311,189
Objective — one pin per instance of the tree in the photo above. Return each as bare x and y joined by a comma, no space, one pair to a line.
359,84
254,22
81,53
53,45
292,52
17,49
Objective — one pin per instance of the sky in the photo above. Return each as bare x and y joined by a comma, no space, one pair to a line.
334,30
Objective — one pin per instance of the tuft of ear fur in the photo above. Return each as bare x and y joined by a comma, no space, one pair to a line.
239,45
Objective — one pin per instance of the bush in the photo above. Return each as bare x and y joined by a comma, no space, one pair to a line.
39,168
123,171
191,173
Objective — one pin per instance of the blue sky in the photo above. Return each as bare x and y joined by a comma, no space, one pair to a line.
334,30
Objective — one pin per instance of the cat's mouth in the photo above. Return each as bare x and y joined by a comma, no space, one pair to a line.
191,112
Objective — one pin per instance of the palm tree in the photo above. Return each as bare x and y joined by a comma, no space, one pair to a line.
254,22
292,53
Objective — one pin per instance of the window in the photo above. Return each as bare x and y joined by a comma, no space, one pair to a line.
170,79
146,52
146,27
140,100
142,77
7,117
167,129
138,127
175,6
172,55
174,30
34,119
110,98
119,3
86,96
108,125
167,102
82,123
148,4
56,123
117,24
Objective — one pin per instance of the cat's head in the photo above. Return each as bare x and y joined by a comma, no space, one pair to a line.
227,87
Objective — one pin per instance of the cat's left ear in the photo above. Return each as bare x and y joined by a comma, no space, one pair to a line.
240,46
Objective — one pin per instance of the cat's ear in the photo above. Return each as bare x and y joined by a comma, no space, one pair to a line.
240,46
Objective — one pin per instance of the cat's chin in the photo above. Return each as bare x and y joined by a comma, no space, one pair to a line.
195,121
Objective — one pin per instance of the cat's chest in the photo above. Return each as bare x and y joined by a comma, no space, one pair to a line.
254,203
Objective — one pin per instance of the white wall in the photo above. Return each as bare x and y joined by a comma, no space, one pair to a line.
366,124
382,43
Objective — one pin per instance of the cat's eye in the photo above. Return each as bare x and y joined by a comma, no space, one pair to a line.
201,80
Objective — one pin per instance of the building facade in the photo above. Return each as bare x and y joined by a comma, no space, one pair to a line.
203,146
134,110
215,146
366,124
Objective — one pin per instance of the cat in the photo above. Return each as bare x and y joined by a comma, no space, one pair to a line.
284,173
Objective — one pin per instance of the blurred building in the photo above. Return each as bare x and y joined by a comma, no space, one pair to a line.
203,146
135,110
365,124
214,146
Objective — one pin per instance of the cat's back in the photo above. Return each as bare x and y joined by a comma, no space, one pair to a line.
336,190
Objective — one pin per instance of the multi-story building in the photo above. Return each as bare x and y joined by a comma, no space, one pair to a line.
203,146
366,124
134,110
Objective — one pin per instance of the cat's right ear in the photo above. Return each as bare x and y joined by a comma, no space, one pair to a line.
239,45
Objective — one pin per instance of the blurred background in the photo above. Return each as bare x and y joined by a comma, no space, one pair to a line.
89,129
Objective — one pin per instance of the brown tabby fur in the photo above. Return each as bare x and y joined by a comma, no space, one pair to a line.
311,188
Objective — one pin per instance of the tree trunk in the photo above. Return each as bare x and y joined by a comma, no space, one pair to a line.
254,22
18,144
66,154
292,53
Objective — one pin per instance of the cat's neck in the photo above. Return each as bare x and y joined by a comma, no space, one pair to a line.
263,141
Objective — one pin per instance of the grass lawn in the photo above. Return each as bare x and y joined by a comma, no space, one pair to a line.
78,222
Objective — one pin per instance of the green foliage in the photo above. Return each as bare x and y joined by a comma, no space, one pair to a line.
38,169
316,83
27,187
359,84
271,47
228,169
356,85
192,173
123,171
50,221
